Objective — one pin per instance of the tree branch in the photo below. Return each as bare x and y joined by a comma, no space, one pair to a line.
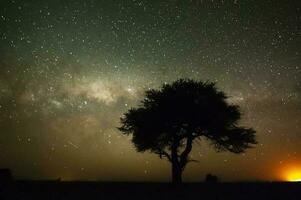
162,153
187,150
192,160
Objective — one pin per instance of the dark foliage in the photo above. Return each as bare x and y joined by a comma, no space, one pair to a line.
5,175
211,178
171,118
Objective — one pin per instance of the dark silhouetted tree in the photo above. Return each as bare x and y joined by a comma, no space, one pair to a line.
170,119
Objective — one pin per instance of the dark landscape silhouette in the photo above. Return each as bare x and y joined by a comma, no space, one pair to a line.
56,189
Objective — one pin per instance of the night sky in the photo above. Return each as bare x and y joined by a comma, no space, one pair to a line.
70,69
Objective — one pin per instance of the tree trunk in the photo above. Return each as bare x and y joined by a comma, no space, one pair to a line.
176,169
179,162
176,173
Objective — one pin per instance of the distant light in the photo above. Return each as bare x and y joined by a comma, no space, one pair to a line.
294,175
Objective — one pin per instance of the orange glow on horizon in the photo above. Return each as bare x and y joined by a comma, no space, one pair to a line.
292,173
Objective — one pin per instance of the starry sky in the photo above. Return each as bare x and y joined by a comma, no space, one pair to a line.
70,69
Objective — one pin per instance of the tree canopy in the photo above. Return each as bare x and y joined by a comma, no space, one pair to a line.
170,118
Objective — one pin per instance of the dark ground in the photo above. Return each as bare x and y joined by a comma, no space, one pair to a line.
98,190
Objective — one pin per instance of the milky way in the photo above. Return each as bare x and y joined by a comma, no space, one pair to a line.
69,69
